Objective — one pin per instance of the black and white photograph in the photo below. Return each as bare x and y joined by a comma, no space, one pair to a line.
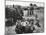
24,17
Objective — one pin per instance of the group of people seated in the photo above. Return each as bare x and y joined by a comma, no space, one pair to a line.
26,26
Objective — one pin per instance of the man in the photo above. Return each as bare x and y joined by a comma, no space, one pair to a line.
36,25
18,27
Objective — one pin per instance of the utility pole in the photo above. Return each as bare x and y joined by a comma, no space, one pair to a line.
13,5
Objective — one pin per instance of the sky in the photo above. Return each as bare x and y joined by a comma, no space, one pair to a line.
24,3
